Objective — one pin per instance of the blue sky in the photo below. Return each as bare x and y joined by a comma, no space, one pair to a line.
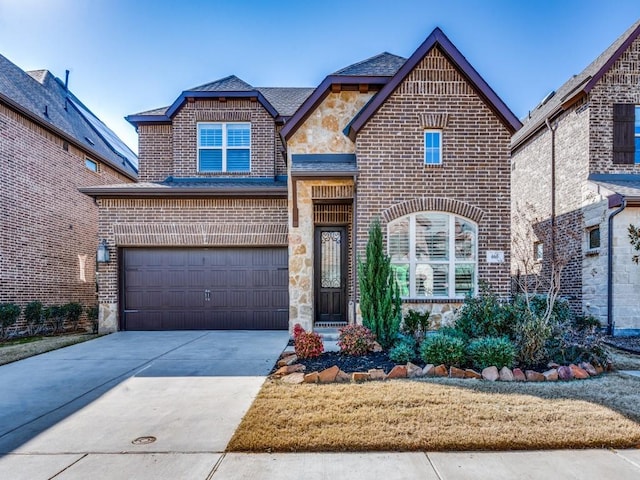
127,56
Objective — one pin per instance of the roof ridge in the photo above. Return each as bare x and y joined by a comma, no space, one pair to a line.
221,80
368,60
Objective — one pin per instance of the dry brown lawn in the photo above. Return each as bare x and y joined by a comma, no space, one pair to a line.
442,414
17,351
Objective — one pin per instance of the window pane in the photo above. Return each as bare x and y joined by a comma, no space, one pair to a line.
424,280
210,135
399,240
210,160
637,151
432,150
432,236
594,238
465,240
401,276
465,280
238,135
238,160
331,265
91,165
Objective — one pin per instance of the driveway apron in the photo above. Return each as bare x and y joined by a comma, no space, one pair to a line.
158,393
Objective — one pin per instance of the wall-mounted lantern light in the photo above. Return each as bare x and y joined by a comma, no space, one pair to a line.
103,252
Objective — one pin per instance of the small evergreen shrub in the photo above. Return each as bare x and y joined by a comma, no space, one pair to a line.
444,349
9,313
415,324
92,316
532,336
586,323
485,316
308,345
402,352
34,317
487,351
356,340
55,316
72,313
453,332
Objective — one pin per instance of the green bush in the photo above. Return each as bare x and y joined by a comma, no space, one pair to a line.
308,345
355,340
92,316
416,324
33,315
55,316
487,351
532,336
402,353
586,323
440,348
485,316
453,332
9,313
560,312
72,313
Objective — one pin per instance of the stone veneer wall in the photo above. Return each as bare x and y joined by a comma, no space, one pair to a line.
626,275
205,222
49,229
474,175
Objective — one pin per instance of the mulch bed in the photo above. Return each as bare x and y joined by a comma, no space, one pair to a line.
348,363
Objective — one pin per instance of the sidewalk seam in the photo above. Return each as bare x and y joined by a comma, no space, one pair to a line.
435,470
69,466
216,466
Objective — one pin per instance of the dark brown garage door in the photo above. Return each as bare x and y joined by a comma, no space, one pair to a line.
205,289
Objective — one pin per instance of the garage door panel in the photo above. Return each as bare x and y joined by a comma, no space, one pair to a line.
165,289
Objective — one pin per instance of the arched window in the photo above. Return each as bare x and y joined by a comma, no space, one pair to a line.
433,255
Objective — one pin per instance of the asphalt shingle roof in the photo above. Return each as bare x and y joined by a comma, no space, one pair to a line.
384,64
570,87
44,96
623,184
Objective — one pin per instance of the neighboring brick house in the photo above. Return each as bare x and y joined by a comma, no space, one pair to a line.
576,163
256,202
50,145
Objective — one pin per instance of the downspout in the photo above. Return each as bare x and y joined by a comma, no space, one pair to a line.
553,190
610,322
354,255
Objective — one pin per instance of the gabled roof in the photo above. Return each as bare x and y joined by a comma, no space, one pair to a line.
44,99
376,70
278,101
384,64
576,86
437,39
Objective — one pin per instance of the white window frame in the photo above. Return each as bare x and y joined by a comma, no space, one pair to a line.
224,147
451,262
538,251
426,149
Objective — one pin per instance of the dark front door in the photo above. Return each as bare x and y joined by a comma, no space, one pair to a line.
331,274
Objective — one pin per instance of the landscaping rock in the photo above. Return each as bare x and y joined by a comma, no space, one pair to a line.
360,377
469,373
342,377
590,369
455,372
376,347
414,371
551,375
288,360
599,368
518,375
328,375
506,375
288,369
294,378
491,374
552,365
533,376
578,373
286,353
440,371
428,370
376,374
311,377
565,373
399,371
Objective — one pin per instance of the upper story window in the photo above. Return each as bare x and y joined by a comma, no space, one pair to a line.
433,255
626,134
224,147
538,251
433,147
91,165
593,237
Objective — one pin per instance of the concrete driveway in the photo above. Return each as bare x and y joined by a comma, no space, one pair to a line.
176,397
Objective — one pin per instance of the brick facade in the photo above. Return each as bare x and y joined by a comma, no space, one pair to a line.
49,229
583,145
473,180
